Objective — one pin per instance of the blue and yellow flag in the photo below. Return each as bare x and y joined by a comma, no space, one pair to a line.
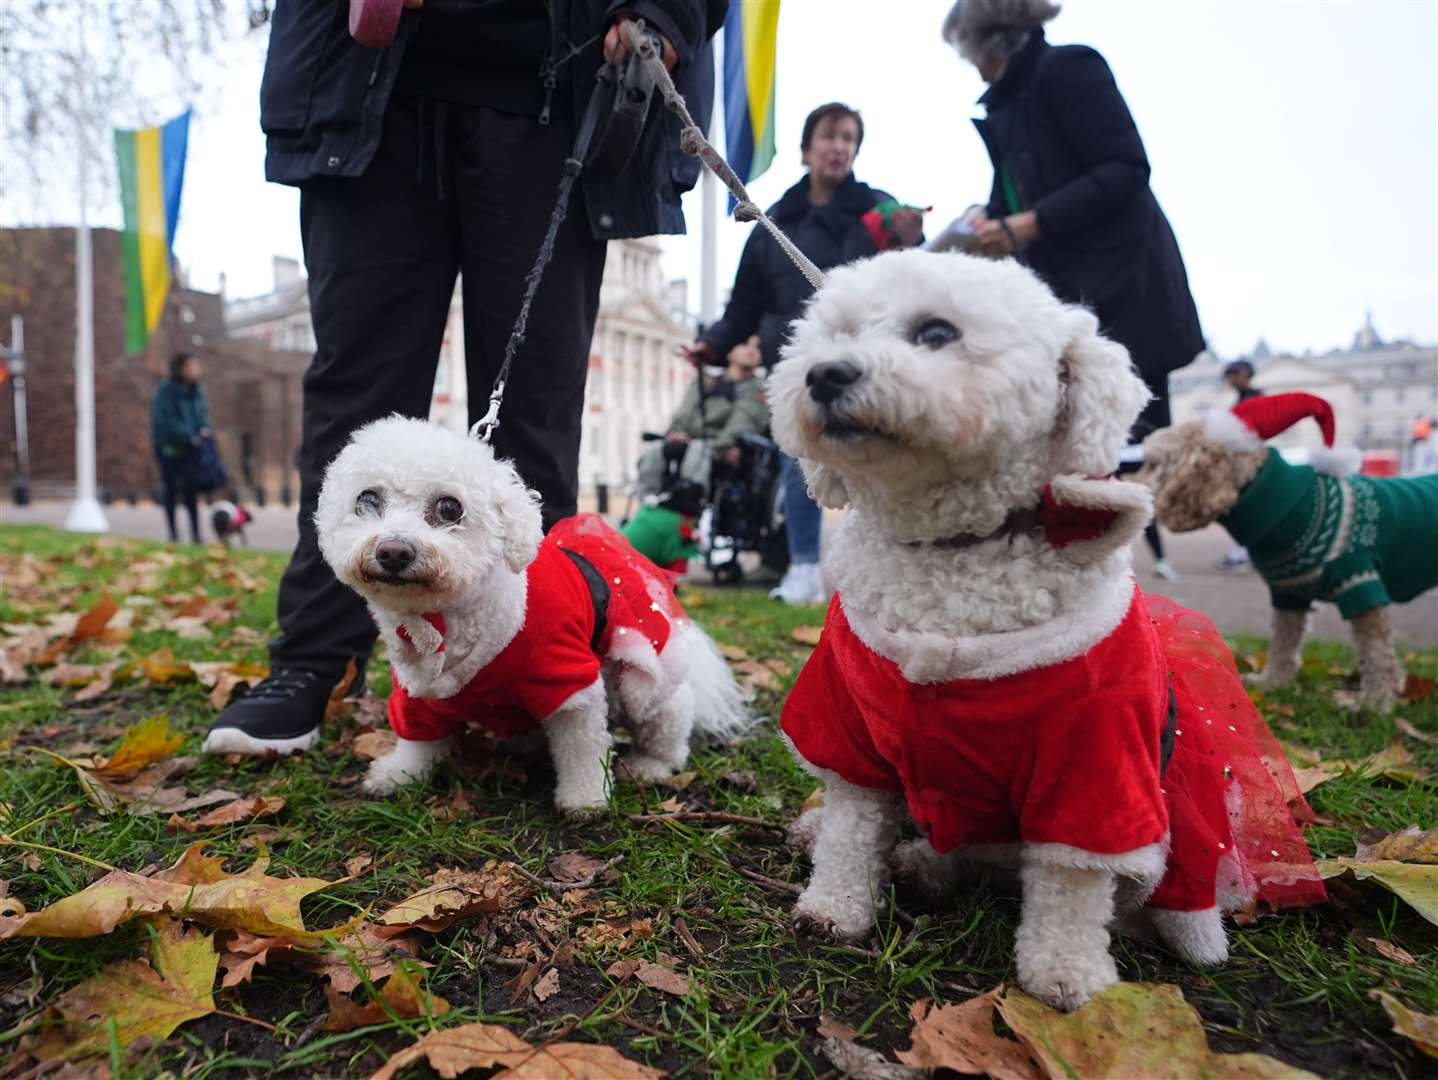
152,173
751,34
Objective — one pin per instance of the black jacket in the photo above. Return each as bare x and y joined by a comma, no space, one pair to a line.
323,99
1059,132
769,291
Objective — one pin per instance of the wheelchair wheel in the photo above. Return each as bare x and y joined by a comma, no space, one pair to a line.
731,573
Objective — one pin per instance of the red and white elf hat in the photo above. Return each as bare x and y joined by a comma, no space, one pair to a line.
1248,423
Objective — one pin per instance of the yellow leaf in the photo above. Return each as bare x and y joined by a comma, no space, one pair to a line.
138,999
1422,1028
1131,1029
1416,885
495,888
1412,845
144,744
196,887
485,1046
809,635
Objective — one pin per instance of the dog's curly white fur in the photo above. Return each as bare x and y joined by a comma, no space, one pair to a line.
389,484
969,388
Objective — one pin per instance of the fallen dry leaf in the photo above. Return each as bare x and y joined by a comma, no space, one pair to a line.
197,885
1131,1029
89,625
1392,762
1418,689
162,669
677,782
142,1000
336,706
372,744
831,1028
734,652
1421,1028
1412,845
496,888
573,866
961,1037
144,744
485,1046
403,996
1402,724
856,1062
655,976
547,985
1415,884
346,962
239,810
358,865
1393,952
619,933
808,635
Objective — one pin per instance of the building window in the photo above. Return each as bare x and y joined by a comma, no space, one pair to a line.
1399,395
1367,397
1366,434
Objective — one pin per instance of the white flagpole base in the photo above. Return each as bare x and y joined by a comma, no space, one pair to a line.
86,516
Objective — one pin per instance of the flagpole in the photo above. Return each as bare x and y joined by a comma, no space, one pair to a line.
85,513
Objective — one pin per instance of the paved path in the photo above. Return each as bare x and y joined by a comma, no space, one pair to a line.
1237,602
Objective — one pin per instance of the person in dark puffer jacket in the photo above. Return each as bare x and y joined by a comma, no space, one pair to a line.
179,420
439,156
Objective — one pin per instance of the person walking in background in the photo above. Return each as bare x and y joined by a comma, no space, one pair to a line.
1239,375
1070,195
179,423
833,219
733,405
436,157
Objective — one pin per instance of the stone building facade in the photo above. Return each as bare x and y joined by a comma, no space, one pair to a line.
1377,389
636,377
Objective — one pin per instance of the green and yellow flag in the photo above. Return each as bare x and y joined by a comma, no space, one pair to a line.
152,172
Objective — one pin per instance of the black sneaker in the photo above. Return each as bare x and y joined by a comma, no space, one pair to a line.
281,714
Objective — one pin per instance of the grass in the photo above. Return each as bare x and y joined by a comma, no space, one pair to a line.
1296,988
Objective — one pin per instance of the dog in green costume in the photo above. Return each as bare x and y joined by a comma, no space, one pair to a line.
1314,532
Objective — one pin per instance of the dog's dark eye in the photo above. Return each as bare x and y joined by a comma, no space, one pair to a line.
448,510
935,333
369,502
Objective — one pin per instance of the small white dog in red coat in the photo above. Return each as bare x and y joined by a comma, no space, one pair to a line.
489,621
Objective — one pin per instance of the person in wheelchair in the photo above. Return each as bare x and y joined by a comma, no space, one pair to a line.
714,413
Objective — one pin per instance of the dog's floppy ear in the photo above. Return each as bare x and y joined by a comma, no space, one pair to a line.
1102,398
825,485
520,524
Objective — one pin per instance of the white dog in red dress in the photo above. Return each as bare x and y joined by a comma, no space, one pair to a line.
988,662
489,621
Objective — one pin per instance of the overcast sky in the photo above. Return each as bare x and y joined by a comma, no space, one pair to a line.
1292,144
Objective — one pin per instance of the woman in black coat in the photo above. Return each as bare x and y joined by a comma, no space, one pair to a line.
1070,195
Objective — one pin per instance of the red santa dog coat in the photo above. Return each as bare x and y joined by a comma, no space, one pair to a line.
557,652
1073,753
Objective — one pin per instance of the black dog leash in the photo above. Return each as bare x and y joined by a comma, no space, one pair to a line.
607,137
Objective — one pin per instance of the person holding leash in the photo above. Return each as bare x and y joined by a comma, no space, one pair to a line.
418,163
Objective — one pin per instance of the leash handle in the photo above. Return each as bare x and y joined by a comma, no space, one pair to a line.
693,143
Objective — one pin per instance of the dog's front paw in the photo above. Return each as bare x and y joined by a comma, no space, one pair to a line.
803,832
1269,678
581,809
844,917
380,781
1068,980
645,768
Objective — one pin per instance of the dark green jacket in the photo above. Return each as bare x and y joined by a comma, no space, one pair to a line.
1355,541
725,417
177,414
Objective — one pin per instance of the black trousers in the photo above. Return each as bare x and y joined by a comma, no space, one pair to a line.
175,482
453,189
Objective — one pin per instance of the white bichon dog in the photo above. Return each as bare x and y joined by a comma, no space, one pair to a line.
489,621
988,662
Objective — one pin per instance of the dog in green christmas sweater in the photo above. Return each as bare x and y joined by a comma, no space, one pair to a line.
1314,532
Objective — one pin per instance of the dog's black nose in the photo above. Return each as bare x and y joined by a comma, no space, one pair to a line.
828,380
393,555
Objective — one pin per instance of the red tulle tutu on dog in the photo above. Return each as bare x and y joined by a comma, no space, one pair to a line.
1146,738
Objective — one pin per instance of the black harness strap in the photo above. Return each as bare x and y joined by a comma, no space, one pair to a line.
599,597
1165,741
